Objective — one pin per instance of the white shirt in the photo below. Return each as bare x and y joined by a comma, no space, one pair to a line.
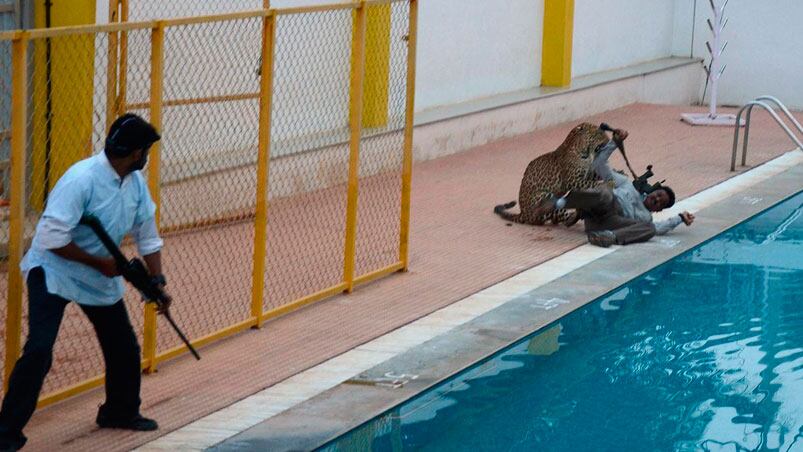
629,199
123,206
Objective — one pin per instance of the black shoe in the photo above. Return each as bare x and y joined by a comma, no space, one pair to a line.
137,423
602,238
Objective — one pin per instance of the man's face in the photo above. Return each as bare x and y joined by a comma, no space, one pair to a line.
656,201
140,159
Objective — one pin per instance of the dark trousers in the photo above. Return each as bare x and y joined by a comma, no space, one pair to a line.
600,211
118,342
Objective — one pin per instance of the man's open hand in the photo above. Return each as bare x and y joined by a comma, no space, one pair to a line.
687,218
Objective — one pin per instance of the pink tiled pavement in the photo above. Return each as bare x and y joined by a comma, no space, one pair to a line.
457,248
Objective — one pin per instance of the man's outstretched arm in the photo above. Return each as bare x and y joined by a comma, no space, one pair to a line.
662,227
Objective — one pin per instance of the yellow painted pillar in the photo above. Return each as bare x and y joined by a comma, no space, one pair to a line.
556,55
63,74
377,65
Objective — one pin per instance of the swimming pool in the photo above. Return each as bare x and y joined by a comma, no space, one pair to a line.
704,352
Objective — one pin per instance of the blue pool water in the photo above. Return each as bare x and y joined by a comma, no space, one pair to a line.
702,353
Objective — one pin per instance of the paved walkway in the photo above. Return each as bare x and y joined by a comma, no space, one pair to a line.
458,247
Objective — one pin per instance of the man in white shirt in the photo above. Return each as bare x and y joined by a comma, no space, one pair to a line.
620,215
67,262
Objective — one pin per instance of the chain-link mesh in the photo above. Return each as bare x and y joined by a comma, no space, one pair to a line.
209,171
141,10
310,152
208,156
382,151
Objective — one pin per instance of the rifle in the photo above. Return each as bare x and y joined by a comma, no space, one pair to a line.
639,182
134,272
621,147
642,184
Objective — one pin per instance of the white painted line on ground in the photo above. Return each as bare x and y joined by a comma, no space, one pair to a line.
228,422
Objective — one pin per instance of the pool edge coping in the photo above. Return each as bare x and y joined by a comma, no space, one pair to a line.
307,410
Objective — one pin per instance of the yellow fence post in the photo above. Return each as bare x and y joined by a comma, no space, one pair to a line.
111,69
154,177
407,165
263,167
355,124
556,54
120,106
16,226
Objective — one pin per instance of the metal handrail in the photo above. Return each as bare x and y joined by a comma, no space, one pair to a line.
749,107
783,108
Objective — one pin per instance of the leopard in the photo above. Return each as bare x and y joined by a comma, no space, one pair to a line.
569,167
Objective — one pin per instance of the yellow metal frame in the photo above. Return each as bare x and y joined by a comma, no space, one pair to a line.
122,83
407,163
355,125
154,176
116,102
378,274
16,223
112,61
208,339
70,391
263,165
301,302
198,100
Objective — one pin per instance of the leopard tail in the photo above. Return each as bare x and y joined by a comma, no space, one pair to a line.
501,210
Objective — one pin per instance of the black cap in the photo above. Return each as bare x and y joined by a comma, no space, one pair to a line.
128,133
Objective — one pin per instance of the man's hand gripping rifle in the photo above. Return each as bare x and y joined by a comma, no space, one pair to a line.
134,272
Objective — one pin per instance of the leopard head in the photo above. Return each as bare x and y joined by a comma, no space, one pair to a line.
584,140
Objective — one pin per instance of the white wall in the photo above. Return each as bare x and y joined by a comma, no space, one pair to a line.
765,50
469,49
610,34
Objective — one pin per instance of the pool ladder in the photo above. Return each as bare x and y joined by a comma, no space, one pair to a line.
762,102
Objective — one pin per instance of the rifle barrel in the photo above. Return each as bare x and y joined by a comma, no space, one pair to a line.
181,335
